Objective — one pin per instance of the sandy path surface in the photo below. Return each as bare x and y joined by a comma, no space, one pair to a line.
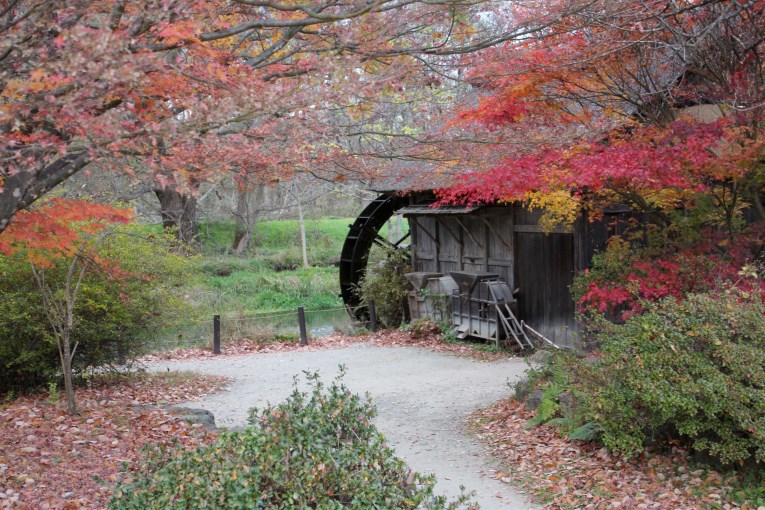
423,399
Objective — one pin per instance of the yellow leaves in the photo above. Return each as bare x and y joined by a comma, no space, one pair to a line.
561,209
37,75
668,198
39,81
361,110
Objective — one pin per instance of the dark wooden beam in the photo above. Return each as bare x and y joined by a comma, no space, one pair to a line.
468,233
496,234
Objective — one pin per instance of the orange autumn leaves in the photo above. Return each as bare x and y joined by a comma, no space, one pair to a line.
57,228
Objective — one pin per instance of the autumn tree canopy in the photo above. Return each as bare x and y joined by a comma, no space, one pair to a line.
643,103
179,89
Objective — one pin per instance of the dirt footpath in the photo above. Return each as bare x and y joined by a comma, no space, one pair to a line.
423,398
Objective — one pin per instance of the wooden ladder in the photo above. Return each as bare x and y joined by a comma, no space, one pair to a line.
512,327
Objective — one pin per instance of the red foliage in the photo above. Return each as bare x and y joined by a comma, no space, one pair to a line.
682,156
598,105
54,229
675,273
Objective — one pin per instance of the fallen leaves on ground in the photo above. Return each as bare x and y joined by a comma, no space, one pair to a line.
385,338
49,459
566,474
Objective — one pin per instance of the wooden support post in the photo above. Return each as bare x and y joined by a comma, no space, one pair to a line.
372,315
216,334
301,323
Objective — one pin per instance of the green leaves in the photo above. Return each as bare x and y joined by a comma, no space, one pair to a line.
130,295
388,286
690,368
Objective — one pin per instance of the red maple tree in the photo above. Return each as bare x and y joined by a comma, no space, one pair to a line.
623,102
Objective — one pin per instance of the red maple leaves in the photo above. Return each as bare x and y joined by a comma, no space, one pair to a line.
683,156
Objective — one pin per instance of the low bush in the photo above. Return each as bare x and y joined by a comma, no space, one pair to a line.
687,368
118,310
315,450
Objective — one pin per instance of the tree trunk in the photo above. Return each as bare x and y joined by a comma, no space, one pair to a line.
757,204
22,189
246,215
66,363
301,220
59,308
297,194
179,212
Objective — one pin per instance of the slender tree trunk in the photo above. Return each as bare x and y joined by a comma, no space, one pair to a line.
179,212
60,309
301,220
65,354
757,204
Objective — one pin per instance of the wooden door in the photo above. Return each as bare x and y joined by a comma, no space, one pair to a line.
544,271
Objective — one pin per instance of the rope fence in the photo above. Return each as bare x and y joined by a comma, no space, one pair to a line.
299,324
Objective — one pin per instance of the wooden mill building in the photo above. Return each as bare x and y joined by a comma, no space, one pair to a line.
504,240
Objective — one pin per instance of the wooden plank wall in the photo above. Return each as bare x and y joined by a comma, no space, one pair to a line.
507,241
478,242
545,271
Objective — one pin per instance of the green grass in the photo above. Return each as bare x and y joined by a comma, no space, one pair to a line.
267,281
252,288
278,242
270,277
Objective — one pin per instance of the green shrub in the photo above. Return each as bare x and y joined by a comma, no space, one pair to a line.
691,369
386,284
119,310
315,450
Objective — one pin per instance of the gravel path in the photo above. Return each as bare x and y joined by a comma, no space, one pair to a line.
423,398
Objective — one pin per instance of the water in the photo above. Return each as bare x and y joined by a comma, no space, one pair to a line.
321,323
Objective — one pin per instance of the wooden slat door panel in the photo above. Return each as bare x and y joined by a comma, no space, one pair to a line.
544,273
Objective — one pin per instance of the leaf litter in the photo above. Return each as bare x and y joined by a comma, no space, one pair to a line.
386,338
572,474
49,459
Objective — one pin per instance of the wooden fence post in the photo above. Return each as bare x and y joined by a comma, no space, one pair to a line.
301,323
216,334
372,315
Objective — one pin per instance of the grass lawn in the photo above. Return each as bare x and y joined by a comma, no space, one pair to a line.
250,290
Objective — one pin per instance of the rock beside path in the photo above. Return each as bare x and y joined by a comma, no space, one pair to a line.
194,415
